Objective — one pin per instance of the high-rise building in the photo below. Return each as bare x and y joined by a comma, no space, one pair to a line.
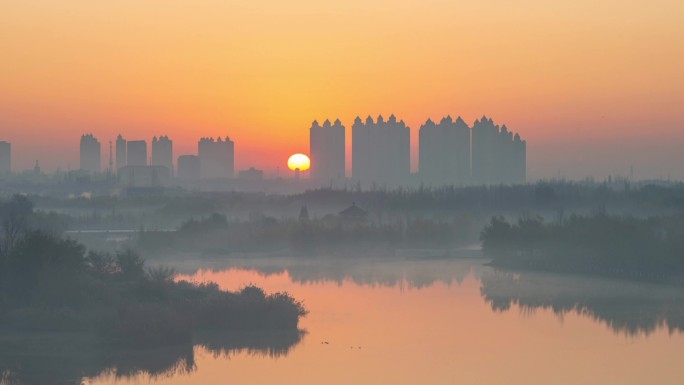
520,159
217,157
121,160
326,149
188,167
444,152
381,151
5,157
91,154
498,155
136,153
162,152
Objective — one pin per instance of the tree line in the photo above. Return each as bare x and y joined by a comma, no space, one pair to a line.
52,283
647,248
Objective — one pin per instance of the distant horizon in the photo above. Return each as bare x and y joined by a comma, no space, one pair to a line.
595,88
602,168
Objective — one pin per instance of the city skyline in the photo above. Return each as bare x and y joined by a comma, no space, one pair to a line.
342,191
595,92
382,154
629,163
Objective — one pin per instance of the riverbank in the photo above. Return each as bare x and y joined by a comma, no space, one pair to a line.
50,284
649,249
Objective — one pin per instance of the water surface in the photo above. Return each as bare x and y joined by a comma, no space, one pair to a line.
439,321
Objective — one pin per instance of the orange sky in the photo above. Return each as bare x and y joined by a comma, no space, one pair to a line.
594,86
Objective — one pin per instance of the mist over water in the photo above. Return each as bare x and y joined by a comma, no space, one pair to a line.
341,192
448,321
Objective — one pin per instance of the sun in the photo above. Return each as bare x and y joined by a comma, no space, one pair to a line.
299,162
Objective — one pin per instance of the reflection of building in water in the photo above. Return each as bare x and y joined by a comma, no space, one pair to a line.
162,152
121,158
444,152
136,153
188,167
217,157
90,154
498,156
5,157
144,176
326,149
380,151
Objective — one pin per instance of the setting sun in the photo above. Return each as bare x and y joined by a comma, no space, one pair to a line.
299,162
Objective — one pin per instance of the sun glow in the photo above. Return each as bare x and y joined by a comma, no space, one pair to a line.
299,162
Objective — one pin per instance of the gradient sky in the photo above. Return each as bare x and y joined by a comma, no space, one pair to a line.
594,86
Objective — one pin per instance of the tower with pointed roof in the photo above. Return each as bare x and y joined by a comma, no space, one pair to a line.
381,152
444,152
91,154
120,152
162,152
327,152
217,157
498,154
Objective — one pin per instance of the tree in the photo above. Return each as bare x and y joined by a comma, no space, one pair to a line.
131,264
38,255
14,216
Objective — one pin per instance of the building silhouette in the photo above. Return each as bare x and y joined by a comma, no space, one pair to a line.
251,174
498,155
143,176
217,157
90,154
381,151
5,157
519,166
136,153
188,167
444,152
121,158
162,152
326,150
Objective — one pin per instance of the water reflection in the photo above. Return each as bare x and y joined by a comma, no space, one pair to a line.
401,321
66,358
413,273
626,307
267,344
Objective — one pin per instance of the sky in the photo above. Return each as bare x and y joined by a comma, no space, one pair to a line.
595,87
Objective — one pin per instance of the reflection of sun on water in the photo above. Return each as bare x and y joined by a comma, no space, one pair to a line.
299,162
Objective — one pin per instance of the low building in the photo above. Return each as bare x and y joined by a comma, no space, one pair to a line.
353,212
251,174
189,167
144,176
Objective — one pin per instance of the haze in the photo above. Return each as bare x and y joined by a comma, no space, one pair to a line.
594,87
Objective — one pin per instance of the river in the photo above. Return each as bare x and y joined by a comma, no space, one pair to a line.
442,321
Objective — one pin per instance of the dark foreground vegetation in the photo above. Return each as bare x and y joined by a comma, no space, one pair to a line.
52,284
640,248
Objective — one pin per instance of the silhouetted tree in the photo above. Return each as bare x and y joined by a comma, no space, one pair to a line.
37,255
130,264
14,216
